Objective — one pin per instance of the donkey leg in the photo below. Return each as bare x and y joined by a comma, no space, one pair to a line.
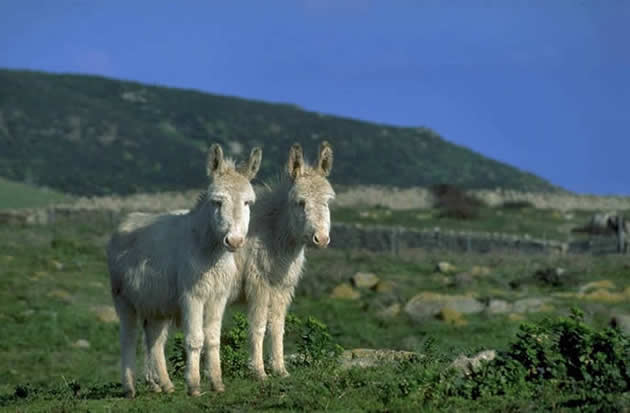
193,332
213,317
150,374
128,338
278,305
258,314
156,333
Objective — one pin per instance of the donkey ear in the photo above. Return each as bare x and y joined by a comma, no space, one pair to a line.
295,166
215,164
250,169
325,160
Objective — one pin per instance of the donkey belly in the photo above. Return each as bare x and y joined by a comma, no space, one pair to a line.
153,293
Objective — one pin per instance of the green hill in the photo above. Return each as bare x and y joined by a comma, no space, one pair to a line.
20,195
90,135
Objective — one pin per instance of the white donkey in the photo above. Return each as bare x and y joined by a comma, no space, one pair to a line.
170,266
285,220
288,217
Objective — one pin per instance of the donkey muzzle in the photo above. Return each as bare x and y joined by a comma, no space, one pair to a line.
232,242
321,240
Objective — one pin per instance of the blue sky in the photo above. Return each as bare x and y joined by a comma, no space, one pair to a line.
541,85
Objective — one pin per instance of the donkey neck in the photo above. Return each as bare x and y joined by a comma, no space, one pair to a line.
204,235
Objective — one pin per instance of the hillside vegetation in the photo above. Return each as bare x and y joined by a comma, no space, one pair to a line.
90,135
19,195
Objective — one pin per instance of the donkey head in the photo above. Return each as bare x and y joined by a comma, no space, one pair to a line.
309,195
230,195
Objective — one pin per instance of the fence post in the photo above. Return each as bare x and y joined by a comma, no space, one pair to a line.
620,234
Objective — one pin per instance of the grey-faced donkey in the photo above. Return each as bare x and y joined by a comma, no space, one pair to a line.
178,266
289,216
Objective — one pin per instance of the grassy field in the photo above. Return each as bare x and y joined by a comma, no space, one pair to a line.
59,348
537,223
19,195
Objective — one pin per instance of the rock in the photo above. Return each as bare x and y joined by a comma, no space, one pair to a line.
531,305
480,270
621,322
428,304
363,357
467,365
345,292
445,267
63,295
384,287
364,280
389,312
605,296
451,316
106,313
595,285
496,306
57,265
81,343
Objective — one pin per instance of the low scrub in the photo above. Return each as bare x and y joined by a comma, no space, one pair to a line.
517,205
590,368
455,203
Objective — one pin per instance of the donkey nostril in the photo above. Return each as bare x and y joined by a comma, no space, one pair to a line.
315,239
233,242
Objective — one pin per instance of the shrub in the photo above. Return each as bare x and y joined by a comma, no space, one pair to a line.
517,205
588,367
455,203
315,346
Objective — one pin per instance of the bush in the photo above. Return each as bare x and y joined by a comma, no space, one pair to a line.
315,346
589,367
455,203
517,205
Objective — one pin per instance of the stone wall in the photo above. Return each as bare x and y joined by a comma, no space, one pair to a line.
369,196
357,236
410,198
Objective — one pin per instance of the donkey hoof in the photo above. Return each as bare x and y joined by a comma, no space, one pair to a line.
194,392
130,394
169,389
219,387
283,373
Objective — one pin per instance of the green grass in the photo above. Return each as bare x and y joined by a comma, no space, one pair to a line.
19,195
537,223
51,279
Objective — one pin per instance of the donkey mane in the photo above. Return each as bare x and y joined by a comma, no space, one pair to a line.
271,196
202,198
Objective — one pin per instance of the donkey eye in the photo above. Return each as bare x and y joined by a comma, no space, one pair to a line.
217,203
302,203
249,203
